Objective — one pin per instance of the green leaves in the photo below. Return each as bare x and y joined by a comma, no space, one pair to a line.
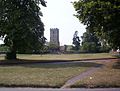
20,24
102,17
90,42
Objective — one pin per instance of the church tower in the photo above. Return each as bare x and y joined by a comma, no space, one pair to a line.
54,36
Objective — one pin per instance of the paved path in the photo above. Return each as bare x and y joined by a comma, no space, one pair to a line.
51,89
81,76
85,74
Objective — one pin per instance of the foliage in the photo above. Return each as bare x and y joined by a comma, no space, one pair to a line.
20,24
90,42
53,47
76,41
102,17
105,47
65,49
3,48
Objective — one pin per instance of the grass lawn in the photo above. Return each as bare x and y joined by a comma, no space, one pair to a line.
2,57
65,56
40,75
108,76
55,75
61,57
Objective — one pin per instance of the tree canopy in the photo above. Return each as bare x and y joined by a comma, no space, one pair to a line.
102,17
76,41
20,24
90,42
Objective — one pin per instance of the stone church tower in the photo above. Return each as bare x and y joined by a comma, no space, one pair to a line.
54,36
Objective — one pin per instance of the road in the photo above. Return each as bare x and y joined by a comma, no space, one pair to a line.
54,89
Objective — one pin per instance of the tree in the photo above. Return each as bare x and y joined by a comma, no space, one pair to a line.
3,49
90,42
102,17
53,47
65,48
76,41
21,26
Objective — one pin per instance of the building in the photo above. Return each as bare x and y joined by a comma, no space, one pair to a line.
54,36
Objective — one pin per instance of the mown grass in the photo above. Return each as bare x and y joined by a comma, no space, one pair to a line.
67,57
40,75
55,75
2,57
108,76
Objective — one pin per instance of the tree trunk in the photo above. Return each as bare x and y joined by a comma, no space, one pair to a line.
12,54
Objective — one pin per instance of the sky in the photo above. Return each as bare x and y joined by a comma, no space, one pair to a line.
59,14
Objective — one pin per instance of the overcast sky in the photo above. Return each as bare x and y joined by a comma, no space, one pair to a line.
59,14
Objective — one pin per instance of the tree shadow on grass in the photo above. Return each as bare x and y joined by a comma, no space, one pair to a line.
63,65
50,64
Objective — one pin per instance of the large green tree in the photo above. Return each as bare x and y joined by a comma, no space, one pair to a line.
21,26
102,17
90,42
